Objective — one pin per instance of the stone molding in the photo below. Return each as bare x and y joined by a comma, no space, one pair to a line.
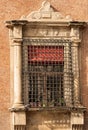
61,28
17,41
46,12
44,23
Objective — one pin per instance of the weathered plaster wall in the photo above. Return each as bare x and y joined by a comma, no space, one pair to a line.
14,9
48,120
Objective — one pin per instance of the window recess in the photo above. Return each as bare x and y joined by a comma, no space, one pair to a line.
47,73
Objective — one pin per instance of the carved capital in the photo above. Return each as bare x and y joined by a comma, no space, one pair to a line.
17,31
76,42
16,42
75,33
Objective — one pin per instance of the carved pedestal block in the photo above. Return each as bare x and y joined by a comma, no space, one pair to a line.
19,120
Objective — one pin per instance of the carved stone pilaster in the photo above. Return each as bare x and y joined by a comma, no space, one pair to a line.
67,76
17,76
75,66
75,36
17,68
18,116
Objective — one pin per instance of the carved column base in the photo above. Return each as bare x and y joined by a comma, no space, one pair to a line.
18,105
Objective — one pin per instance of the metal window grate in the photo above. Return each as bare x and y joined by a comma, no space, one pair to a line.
47,73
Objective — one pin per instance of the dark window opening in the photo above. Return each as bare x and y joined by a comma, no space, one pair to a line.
47,73
46,66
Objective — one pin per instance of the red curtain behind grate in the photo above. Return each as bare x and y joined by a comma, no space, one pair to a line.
45,53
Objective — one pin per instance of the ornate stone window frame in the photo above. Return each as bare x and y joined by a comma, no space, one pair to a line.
43,23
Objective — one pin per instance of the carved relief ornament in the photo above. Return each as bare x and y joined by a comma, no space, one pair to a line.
52,23
46,12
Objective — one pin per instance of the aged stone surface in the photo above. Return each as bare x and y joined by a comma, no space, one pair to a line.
58,29
19,118
48,120
45,13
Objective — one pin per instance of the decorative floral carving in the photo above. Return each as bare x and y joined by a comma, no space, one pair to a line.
75,32
48,32
56,33
43,32
36,15
46,6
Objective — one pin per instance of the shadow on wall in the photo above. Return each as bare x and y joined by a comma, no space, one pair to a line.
45,120
84,74
84,67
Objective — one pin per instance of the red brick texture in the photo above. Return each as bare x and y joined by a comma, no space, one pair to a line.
14,9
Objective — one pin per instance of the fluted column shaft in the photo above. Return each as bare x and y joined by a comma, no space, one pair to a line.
17,74
17,48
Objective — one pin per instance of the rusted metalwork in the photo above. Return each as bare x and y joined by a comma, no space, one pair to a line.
47,71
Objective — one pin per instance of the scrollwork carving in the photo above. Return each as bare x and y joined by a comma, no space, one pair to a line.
36,15
47,12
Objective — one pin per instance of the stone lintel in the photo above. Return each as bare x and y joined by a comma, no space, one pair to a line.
49,23
77,23
12,23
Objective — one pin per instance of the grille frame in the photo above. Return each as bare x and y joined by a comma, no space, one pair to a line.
68,74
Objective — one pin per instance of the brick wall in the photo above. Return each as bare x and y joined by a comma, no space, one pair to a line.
14,9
